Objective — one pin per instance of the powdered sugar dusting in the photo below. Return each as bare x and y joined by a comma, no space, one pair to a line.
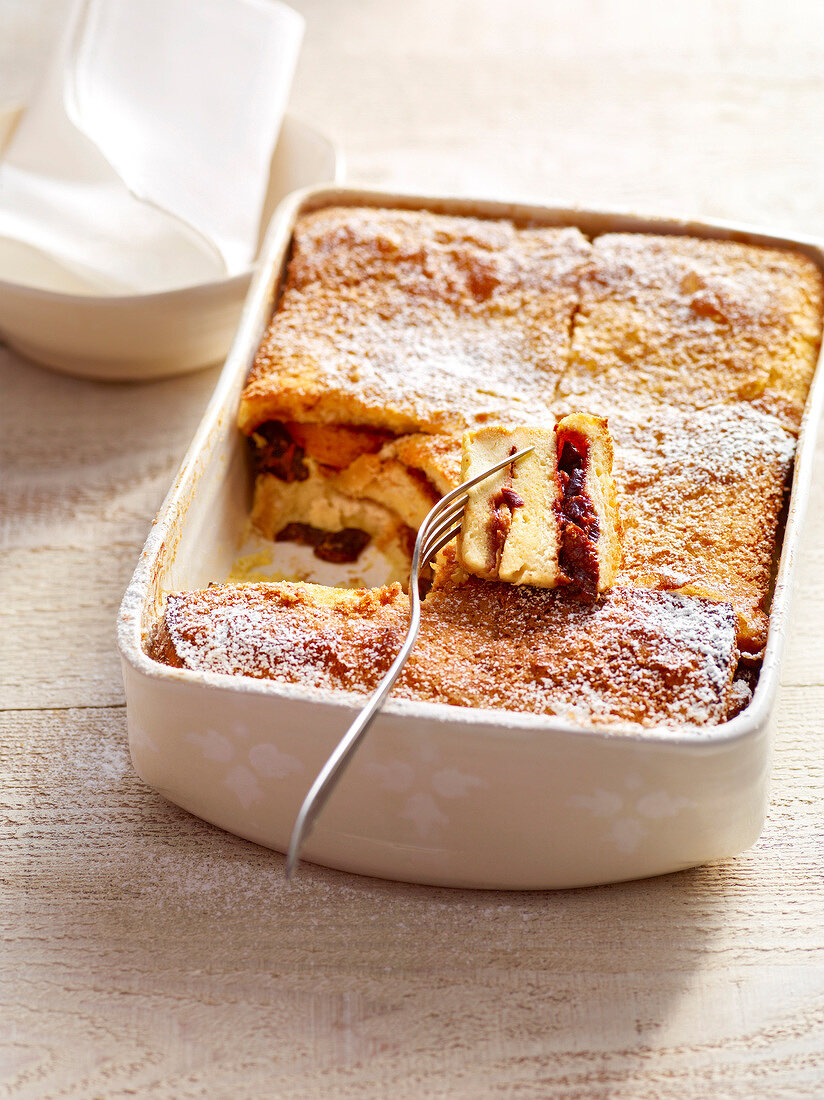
735,442
701,495
639,656
415,321
278,631
689,322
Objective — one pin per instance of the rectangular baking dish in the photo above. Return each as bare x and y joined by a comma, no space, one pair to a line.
437,794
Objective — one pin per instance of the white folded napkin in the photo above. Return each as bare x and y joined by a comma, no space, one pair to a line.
142,163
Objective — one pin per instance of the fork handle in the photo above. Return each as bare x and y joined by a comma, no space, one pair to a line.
329,774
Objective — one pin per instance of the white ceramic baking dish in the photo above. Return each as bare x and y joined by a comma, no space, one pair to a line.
437,794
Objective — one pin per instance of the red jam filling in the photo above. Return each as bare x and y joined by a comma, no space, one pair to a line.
340,547
503,506
578,557
279,454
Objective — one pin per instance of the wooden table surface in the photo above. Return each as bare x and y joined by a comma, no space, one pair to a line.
145,953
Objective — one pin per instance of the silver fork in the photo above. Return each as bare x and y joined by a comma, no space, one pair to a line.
441,526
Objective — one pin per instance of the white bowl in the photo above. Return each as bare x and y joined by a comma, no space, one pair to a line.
437,794
143,336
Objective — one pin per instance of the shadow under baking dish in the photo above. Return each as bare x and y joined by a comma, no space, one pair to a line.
437,794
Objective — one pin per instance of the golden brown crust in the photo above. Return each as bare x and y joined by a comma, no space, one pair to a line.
690,322
481,644
296,633
438,457
160,646
413,321
701,496
639,656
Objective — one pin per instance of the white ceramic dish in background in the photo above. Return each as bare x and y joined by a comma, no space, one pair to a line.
144,336
437,794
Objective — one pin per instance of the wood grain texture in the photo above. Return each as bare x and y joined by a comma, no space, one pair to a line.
145,953
148,951
85,467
